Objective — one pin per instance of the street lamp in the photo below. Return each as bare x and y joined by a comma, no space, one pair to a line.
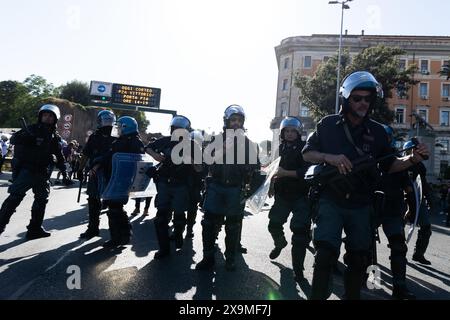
344,6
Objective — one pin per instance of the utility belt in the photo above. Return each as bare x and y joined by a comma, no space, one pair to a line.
170,180
223,182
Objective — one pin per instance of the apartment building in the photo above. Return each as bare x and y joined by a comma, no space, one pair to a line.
429,98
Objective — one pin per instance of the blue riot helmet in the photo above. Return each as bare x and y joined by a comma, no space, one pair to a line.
105,118
180,122
127,125
197,135
360,80
408,144
230,110
49,108
390,133
291,122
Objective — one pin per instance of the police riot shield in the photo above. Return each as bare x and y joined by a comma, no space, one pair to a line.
257,200
129,177
417,186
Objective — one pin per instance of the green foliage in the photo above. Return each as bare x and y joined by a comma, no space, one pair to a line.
75,91
319,91
16,102
39,87
19,100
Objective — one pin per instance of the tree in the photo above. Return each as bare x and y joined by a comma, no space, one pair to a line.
15,102
319,92
39,87
75,91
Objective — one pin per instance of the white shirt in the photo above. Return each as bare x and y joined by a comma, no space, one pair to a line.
5,146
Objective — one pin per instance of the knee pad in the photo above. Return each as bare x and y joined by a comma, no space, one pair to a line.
326,255
300,236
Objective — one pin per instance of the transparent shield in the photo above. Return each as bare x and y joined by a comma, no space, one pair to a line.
256,201
128,177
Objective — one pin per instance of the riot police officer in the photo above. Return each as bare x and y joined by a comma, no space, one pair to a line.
98,145
34,147
345,203
424,234
172,185
391,219
128,142
291,195
226,181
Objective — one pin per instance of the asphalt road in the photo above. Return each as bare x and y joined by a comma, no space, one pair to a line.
64,267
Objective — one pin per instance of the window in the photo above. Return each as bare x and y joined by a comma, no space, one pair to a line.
423,113
445,62
423,90
286,63
400,115
401,90
402,64
445,90
285,84
424,66
445,118
304,110
284,109
326,58
442,144
307,63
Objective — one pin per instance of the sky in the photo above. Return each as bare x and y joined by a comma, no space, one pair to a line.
203,54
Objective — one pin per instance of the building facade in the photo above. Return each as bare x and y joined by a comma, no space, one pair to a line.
429,98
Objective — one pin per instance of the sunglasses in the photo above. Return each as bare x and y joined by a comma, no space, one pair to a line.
358,98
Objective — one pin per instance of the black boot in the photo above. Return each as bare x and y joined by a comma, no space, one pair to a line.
354,275
8,208
35,230
33,234
162,233
92,231
280,244
423,239
89,234
232,237
399,249
298,258
179,224
190,221
114,229
207,263
325,260
209,232
277,233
